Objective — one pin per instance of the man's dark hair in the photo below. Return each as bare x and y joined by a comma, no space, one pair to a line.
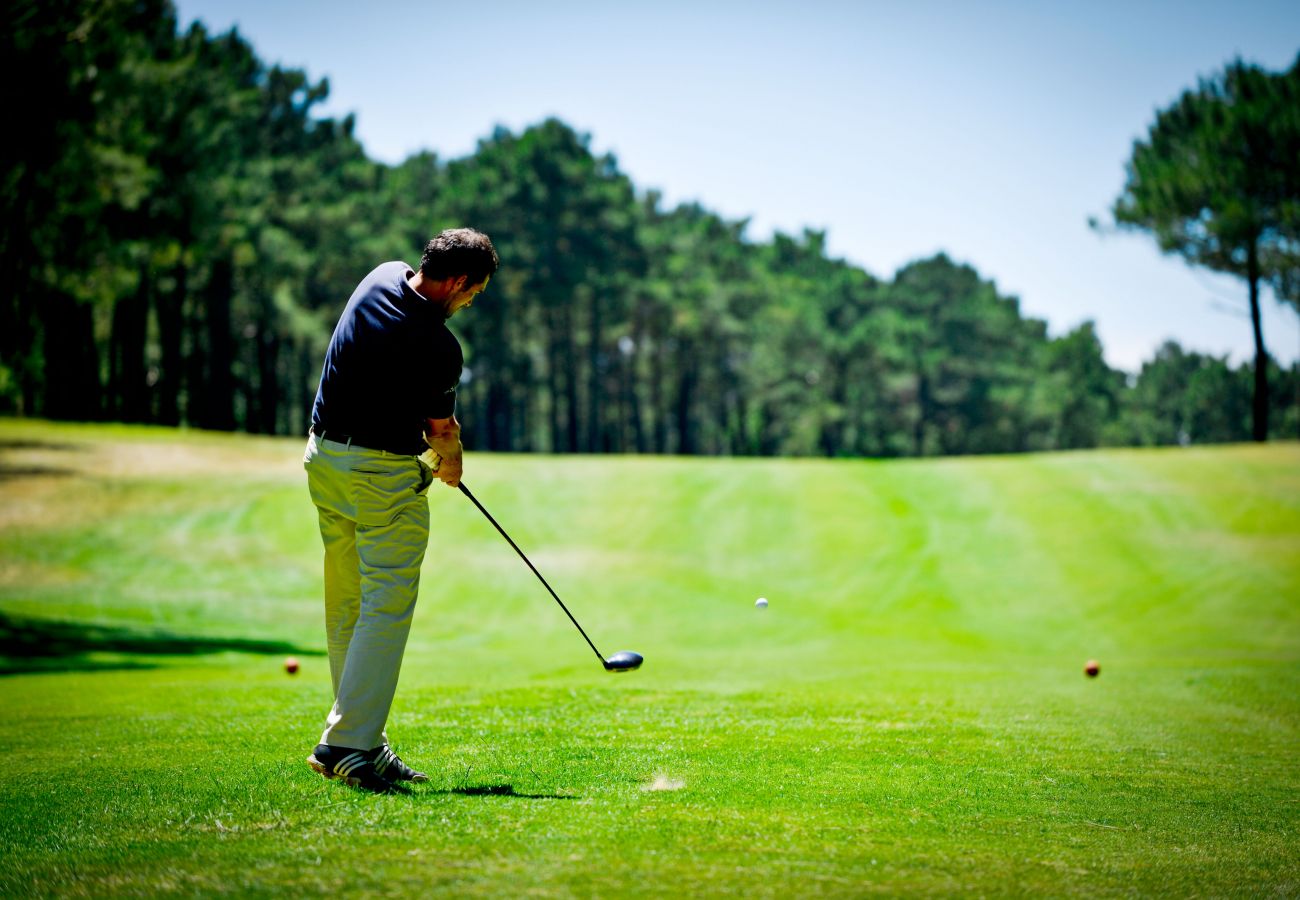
457,252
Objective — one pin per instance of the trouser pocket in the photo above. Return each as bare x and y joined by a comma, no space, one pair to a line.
381,492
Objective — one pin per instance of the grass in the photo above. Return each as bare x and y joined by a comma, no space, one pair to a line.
908,717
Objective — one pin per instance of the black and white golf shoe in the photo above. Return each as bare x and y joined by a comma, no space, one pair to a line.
354,767
390,766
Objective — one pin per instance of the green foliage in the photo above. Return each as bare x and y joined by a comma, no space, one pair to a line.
1217,178
543,343
1083,393
1217,181
1204,395
179,231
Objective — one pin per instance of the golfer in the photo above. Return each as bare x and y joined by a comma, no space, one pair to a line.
387,395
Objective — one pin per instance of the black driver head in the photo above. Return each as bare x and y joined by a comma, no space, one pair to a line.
623,661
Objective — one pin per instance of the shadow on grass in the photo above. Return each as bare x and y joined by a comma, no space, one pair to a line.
486,790
44,645
20,444
501,790
8,471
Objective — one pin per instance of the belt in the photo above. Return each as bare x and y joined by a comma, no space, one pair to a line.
361,443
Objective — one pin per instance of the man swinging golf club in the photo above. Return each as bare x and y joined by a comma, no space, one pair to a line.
387,394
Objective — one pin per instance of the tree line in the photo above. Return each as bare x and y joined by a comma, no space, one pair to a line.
181,230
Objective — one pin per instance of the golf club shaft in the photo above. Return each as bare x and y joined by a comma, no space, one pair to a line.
464,490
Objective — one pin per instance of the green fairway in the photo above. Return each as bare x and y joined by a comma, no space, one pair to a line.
909,715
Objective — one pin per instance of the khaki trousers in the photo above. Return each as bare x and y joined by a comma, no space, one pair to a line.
374,522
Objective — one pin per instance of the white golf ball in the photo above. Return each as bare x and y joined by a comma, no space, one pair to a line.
761,603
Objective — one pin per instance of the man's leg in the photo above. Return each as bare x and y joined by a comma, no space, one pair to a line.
390,554
342,587
329,479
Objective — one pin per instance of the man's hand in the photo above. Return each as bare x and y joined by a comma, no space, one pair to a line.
443,437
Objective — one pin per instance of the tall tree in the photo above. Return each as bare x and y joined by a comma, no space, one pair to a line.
1084,391
546,333
1217,181
1184,398
971,357
179,231
71,186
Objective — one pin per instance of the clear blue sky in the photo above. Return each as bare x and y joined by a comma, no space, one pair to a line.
990,131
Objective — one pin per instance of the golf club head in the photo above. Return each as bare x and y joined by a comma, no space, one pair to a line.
623,661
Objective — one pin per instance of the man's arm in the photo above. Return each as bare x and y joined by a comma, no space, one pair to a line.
443,436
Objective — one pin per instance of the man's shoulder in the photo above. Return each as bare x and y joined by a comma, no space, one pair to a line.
385,285
390,275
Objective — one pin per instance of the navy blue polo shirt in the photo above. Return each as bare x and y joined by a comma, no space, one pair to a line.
391,365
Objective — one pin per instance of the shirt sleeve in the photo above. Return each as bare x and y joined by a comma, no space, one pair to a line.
443,405
445,378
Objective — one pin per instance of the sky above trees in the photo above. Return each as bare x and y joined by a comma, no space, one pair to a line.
901,129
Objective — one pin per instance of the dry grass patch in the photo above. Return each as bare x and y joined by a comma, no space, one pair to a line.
54,476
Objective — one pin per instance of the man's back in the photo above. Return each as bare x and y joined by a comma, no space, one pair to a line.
391,365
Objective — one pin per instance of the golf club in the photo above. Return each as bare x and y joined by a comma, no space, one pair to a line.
622,661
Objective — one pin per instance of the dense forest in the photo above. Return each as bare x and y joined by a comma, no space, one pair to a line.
180,231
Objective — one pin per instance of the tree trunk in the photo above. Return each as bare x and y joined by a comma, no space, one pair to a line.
633,384
217,405
522,400
748,441
922,414
658,405
686,433
72,388
169,307
268,388
554,363
1259,418
128,390
632,402
595,386
308,381
17,323
499,409
832,436
496,351
570,379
